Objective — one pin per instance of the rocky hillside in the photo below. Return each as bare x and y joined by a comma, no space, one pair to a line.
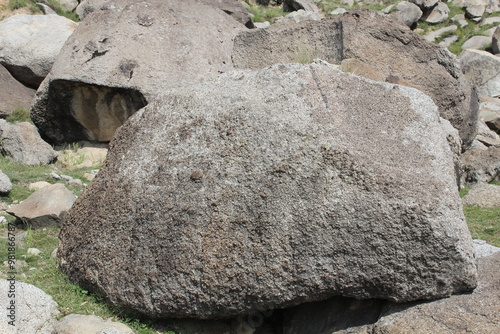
224,166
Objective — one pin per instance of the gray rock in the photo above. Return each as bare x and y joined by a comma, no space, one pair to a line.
431,37
262,25
483,249
293,5
13,94
425,4
366,43
338,11
468,313
495,45
299,16
490,20
476,42
407,13
103,74
85,7
460,19
235,9
255,192
31,43
483,71
447,41
68,5
438,14
475,12
480,165
490,5
23,144
86,324
5,184
34,251
483,195
45,207
46,9
35,311
75,183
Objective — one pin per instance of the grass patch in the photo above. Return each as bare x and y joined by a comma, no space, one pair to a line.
34,8
42,271
265,13
484,223
19,115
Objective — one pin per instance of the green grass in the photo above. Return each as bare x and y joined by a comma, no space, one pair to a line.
265,13
19,115
42,271
484,223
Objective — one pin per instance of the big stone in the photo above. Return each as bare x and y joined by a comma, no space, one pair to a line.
265,189
124,54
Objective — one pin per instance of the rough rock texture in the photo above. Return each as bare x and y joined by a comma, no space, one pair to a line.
13,94
103,74
468,313
407,13
367,44
483,195
23,144
235,9
31,43
480,165
476,42
45,207
251,191
35,311
483,249
299,16
495,45
475,12
89,324
483,70
438,14
5,184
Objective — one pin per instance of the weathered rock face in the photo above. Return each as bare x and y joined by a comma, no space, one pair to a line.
251,191
31,43
483,70
103,75
483,195
13,94
23,144
367,44
35,311
407,13
495,45
45,207
480,165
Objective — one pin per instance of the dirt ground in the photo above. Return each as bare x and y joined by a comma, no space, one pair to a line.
6,12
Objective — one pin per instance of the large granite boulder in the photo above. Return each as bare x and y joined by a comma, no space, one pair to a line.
123,54
30,44
373,46
23,144
254,190
483,70
13,94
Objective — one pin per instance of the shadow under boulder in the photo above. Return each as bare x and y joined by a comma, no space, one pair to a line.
83,111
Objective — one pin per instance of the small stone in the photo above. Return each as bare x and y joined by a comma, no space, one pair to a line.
66,177
75,183
476,42
34,251
56,176
338,11
38,185
483,249
475,12
54,254
5,184
484,195
439,14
